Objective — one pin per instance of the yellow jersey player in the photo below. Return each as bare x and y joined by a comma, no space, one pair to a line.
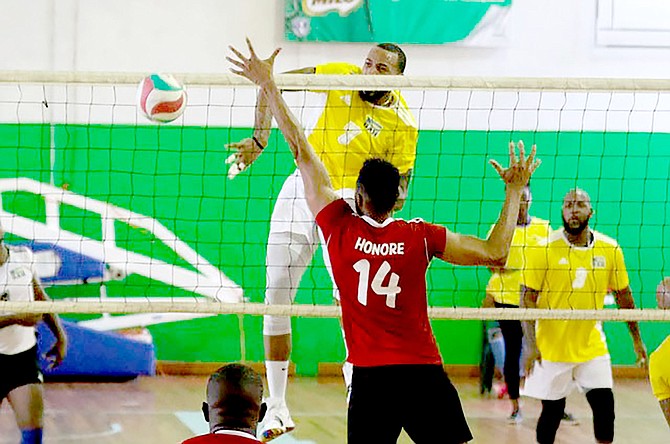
502,291
346,129
575,269
659,362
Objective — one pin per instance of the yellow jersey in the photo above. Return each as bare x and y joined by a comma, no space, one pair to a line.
505,287
659,370
348,130
571,277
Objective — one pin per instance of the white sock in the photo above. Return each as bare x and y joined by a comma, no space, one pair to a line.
277,375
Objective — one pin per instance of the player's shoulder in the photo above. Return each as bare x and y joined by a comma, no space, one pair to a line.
540,222
338,68
555,239
603,240
662,352
404,112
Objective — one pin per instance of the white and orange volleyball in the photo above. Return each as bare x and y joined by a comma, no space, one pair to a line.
161,98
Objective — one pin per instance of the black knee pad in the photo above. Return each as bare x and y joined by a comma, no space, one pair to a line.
602,405
550,419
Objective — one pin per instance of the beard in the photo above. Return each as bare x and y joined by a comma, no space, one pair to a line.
575,230
372,96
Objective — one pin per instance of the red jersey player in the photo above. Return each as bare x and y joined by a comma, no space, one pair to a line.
379,266
234,406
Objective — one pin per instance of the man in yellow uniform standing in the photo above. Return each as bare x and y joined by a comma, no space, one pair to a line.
575,269
659,362
346,129
502,291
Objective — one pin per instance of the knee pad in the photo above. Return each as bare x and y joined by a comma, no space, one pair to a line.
276,325
550,419
288,255
602,404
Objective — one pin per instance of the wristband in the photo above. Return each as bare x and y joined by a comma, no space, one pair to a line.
258,144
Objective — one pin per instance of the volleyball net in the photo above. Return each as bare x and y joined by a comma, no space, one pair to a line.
127,216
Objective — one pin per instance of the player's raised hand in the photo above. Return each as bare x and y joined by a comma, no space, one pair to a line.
247,151
520,169
253,68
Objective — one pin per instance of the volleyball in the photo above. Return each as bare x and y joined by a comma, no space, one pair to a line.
161,98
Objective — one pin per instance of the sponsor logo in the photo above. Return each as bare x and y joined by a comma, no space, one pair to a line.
372,126
17,273
599,262
322,7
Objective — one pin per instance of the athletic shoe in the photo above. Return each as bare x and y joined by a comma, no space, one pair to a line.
515,417
569,419
277,420
499,389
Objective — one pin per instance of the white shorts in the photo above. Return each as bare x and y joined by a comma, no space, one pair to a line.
555,380
291,214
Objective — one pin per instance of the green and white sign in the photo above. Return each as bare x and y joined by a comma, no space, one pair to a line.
398,21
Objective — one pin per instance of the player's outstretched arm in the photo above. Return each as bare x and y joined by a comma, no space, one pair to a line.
624,299
24,319
530,353
56,354
249,149
470,250
318,189
665,407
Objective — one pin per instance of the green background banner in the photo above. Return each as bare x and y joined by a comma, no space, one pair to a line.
397,21
177,175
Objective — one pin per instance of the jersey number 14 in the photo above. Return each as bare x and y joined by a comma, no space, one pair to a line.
390,291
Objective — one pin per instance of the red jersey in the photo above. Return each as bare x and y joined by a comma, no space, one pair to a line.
223,437
380,271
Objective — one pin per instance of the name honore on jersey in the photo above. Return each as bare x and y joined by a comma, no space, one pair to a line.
385,249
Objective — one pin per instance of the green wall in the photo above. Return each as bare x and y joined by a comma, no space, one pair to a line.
178,176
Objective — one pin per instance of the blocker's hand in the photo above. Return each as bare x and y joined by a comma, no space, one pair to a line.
520,169
253,68
247,151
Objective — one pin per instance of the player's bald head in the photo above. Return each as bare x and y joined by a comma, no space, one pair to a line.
234,396
577,194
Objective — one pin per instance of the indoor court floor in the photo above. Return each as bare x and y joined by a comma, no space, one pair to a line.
166,409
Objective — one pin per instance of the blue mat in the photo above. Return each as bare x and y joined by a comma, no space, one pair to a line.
96,354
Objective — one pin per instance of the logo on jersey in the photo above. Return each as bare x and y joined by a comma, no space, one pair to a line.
563,261
372,126
599,262
17,273
4,296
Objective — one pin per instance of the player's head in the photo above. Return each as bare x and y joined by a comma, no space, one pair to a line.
377,188
663,294
234,398
383,59
577,211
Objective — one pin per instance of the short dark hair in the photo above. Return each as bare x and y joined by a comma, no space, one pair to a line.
236,391
392,47
380,180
